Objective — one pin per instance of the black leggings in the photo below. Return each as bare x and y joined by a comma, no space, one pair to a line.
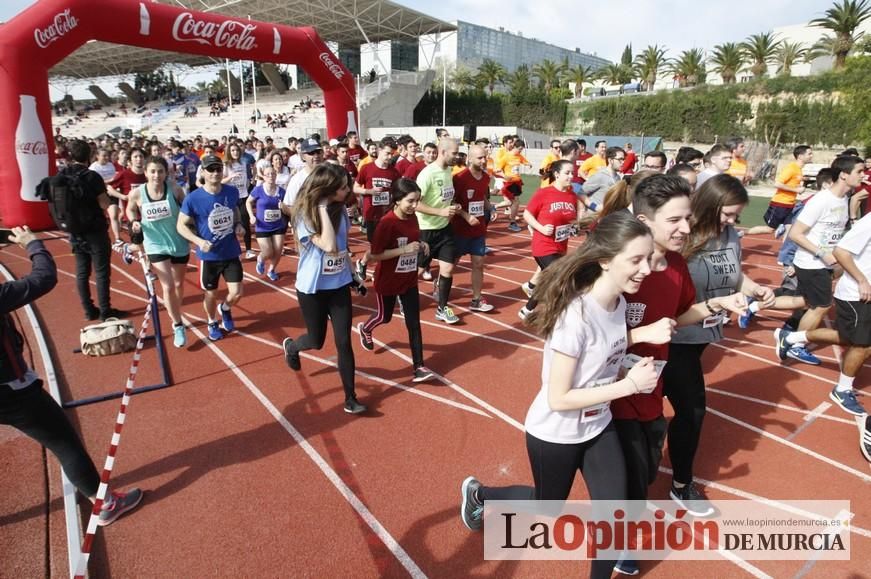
642,448
334,305
246,222
684,385
554,465
543,262
32,411
411,308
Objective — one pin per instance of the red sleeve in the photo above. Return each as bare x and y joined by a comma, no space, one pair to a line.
687,289
535,204
383,236
361,176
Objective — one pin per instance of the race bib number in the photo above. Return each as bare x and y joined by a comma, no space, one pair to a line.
155,211
630,360
220,221
271,215
333,263
830,238
382,198
476,208
591,413
712,321
406,263
447,194
562,232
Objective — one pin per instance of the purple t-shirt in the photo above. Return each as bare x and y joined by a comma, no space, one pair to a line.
266,211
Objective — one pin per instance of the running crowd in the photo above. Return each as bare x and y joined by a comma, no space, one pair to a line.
627,315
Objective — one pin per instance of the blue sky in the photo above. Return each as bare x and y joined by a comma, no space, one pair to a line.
675,24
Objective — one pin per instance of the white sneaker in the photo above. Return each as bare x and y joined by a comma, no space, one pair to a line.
526,289
250,254
523,313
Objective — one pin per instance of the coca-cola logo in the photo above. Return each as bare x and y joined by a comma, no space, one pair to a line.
62,23
32,147
332,65
228,34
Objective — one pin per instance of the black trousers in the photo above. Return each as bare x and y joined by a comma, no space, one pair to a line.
642,448
35,413
411,307
554,465
246,222
684,386
93,250
335,306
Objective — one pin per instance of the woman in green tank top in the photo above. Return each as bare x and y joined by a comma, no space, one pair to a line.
152,209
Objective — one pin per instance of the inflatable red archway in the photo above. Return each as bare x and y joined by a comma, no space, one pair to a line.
48,31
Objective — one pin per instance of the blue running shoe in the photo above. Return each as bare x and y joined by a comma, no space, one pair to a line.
272,275
744,319
227,319
847,401
179,337
260,267
801,354
780,344
215,333
514,227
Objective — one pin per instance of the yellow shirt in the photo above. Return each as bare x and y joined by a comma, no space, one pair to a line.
363,162
456,169
592,166
738,168
510,165
790,176
545,164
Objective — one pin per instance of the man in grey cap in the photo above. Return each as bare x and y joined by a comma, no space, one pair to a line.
312,155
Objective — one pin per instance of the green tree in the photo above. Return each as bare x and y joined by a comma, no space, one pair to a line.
842,19
548,74
578,75
761,49
689,67
462,80
491,73
518,81
648,64
788,53
728,59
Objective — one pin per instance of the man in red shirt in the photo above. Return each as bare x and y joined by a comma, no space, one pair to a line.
119,187
410,157
373,184
583,155
630,161
430,152
472,188
355,151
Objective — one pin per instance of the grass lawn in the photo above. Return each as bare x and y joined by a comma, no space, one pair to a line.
751,216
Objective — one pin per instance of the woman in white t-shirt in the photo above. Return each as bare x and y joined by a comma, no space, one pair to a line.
236,174
282,173
568,426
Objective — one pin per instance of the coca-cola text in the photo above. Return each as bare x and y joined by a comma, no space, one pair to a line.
62,23
228,34
332,65
32,148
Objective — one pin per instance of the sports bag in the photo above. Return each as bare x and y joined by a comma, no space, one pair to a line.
110,337
70,208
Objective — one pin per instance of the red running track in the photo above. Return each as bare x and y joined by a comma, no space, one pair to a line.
253,470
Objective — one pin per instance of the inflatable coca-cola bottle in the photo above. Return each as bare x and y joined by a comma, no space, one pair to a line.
31,150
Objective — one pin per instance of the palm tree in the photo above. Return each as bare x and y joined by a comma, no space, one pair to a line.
490,73
728,60
689,67
462,80
578,75
788,53
761,49
843,20
518,81
611,74
648,64
548,74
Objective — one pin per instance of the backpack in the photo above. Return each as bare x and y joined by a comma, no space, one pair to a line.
110,337
71,208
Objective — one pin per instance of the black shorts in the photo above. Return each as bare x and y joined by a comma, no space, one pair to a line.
263,234
853,320
544,261
775,216
815,286
211,272
113,200
441,244
512,191
177,260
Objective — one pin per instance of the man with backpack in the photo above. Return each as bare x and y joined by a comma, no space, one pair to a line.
77,201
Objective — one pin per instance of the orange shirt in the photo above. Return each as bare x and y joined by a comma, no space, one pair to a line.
591,166
456,169
545,164
363,162
510,165
738,168
491,166
790,176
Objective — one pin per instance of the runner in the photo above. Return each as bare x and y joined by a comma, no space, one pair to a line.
510,166
312,155
434,213
817,230
355,152
713,253
395,247
603,179
592,164
568,426
268,214
323,277
236,174
209,219
553,154
472,191
720,159
738,168
119,187
152,209
790,189
552,212
688,172
373,184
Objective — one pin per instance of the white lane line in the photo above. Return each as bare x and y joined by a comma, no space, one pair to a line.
864,477
72,515
810,418
778,405
365,514
770,363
